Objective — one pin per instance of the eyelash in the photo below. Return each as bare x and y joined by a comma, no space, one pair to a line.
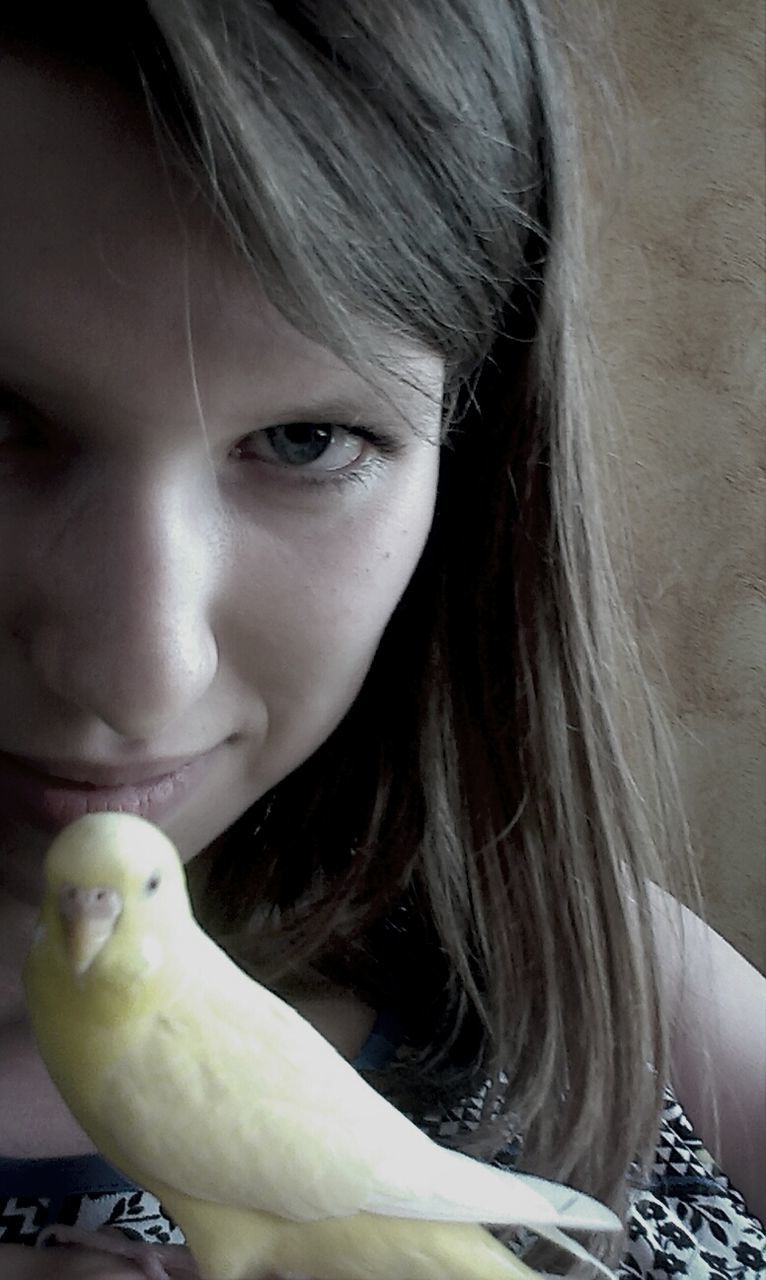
388,447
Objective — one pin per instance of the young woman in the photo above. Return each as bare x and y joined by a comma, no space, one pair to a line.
302,556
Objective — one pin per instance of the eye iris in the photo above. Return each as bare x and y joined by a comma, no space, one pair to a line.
152,884
299,443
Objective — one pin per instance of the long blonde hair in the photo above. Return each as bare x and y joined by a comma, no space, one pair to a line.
472,844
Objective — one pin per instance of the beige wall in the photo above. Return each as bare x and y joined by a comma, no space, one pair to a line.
682,331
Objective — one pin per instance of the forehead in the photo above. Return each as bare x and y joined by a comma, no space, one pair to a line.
79,161
105,252
90,212
109,844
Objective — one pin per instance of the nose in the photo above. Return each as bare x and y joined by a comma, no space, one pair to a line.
121,595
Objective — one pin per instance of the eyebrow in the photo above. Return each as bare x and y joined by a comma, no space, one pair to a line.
354,407
333,405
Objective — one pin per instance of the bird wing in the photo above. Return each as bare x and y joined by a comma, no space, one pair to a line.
228,1116
232,1097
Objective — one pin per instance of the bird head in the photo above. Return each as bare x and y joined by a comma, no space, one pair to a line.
111,876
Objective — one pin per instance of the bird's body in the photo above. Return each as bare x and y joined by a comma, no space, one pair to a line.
269,1150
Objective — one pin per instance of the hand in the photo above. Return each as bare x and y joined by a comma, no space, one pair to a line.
19,1262
153,1261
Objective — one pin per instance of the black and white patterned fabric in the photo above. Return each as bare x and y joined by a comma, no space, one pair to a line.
688,1221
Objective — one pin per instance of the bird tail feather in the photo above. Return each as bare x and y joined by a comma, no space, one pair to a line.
452,1187
574,1248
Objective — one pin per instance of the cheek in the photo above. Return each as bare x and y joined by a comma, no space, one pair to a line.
354,581
312,606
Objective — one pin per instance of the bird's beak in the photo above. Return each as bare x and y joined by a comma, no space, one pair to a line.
88,917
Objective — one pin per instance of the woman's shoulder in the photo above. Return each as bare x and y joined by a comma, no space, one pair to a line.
716,1003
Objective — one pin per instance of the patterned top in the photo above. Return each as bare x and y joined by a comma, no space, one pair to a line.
688,1221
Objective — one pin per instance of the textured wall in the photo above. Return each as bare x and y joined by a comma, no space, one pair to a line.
681,322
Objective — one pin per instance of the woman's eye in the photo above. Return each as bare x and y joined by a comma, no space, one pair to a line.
306,446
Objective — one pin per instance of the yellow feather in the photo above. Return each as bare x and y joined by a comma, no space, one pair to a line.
269,1150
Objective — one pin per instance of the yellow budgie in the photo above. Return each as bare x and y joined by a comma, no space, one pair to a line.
268,1149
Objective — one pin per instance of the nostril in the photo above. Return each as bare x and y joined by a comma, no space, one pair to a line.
69,900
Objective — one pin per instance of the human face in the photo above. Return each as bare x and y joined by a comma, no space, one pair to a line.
175,578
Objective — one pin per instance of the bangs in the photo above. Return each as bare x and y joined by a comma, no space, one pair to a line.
358,161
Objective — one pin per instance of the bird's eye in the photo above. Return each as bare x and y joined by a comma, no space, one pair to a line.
153,883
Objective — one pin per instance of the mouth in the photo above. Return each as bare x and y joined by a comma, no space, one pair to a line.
49,802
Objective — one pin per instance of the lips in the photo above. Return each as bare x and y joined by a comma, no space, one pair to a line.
49,802
88,774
